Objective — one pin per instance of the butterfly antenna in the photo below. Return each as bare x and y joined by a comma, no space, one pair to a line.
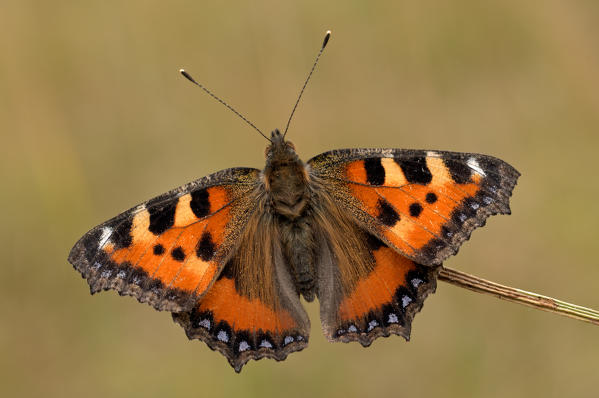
324,44
188,77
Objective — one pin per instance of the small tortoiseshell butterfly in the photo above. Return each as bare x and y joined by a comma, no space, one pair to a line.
363,230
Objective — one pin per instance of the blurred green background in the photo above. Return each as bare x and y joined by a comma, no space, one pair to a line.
94,118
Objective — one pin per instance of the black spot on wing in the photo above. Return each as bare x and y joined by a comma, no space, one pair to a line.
375,172
459,170
158,249
178,254
121,236
415,209
387,214
415,170
205,249
162,216
200,203
431,197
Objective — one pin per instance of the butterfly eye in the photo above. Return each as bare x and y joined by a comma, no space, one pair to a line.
267,150
290,145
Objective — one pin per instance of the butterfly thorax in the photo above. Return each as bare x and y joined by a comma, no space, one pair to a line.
285,178
287,187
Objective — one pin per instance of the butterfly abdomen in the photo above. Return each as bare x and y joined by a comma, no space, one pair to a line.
299,247
290,201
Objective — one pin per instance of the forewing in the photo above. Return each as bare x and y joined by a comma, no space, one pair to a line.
168,251
424,204
253,310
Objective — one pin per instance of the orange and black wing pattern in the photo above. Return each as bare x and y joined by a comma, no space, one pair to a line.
169,250
424,204
253,310
382,300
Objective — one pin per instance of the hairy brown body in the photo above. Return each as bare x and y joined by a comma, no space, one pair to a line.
287,185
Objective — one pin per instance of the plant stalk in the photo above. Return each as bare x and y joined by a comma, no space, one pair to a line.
523,297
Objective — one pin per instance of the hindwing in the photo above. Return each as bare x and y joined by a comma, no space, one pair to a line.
365,288
253,310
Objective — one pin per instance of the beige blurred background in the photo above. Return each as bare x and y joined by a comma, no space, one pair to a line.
94,118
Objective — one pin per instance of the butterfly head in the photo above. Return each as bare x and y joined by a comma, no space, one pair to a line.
285,176
280,151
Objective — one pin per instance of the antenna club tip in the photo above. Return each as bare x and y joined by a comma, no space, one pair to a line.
327,36
187,76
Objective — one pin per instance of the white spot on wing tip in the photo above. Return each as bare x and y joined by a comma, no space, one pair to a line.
473,164
106,233
432,154
387,152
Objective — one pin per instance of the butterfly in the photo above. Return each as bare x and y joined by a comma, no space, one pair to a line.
363,230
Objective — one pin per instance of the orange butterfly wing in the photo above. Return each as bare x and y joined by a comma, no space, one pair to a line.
424,204
169,250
